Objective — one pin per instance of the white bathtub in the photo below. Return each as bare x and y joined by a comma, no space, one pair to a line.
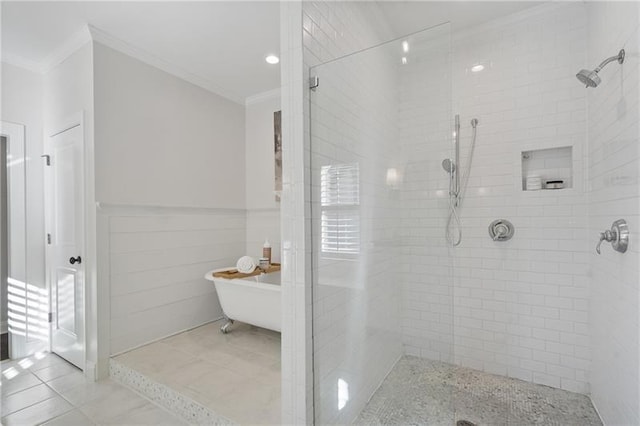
253,300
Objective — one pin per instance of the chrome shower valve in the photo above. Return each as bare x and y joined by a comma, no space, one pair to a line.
618,236
501,230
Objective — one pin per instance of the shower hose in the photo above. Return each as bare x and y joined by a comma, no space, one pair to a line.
454,224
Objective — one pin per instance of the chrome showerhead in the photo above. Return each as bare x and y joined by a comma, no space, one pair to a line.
448,165
590,78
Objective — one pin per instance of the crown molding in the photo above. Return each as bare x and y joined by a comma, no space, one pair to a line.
90,33
66,49
261,97
20,62
56,57
108,40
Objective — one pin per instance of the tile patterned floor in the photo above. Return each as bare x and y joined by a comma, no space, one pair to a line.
235,375
45,389
423,392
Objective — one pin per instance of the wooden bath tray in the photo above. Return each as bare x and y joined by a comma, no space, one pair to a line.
233,273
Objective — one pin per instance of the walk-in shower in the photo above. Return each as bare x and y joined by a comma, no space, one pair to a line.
523,321
590,78
456,191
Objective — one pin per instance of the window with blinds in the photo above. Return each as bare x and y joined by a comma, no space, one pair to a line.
340,201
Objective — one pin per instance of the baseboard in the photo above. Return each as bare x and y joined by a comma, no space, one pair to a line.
164,337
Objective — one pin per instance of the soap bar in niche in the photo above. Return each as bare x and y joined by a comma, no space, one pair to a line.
554,184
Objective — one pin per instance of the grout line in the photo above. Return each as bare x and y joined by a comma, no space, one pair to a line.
179,405
40,402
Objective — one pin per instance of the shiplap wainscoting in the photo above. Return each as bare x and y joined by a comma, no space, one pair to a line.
157,260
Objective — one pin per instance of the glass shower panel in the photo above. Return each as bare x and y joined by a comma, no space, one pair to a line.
380,128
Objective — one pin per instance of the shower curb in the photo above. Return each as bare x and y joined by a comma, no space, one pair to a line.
175,402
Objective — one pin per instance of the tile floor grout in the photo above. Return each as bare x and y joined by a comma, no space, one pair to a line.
418,390
45,389
479,397
68,410
167,398
237,365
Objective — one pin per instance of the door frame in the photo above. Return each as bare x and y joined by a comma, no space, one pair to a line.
74,120
15,133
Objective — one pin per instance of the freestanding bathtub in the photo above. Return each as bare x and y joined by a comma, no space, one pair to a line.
252,300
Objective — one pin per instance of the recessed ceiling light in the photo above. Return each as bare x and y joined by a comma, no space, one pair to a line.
272,59
477,68
405,46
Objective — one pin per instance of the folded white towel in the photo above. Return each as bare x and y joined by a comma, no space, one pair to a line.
246,264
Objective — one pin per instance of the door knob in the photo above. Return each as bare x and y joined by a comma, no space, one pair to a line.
75,260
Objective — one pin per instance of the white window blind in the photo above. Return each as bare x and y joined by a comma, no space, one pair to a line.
340,201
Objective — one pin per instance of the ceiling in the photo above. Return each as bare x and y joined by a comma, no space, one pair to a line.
223,43
407,17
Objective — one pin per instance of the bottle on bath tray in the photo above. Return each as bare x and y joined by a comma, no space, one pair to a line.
266,250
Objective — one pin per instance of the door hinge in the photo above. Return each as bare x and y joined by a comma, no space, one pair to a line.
50,317
314,82
49,239
47,158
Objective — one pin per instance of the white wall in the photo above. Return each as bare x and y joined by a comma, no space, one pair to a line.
68,91
523,308
170,177
329,31
296,350
425,122
614,161
355,296
158,258
21,103
520,307
161,141
4,235
263,211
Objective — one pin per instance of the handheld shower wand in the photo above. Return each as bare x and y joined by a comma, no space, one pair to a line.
456,192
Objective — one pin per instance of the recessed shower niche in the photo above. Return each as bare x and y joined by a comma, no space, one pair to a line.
547,169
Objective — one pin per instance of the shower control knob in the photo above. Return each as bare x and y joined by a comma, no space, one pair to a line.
501,230
618,236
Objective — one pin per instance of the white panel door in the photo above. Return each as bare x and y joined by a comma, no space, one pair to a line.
67,236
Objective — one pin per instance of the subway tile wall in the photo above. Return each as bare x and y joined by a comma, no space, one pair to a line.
516,308
613,149
297,371
355,296
426,266
521,306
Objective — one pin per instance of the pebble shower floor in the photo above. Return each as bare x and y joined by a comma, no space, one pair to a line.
423,392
